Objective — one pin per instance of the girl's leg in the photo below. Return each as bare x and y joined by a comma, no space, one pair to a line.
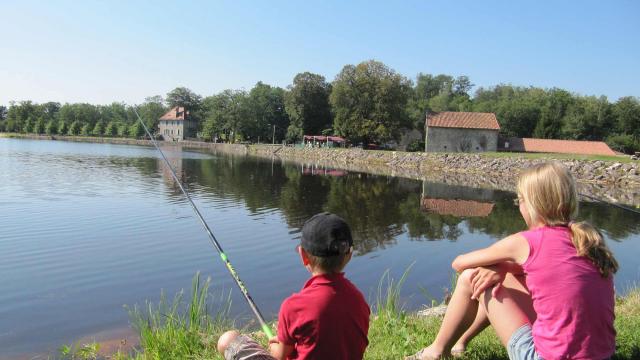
510,308
518,291
461,313
479,323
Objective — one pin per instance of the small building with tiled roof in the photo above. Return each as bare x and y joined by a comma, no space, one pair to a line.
177,125
555,146
450,131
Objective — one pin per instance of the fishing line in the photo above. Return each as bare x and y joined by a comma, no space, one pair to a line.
212,238
609,203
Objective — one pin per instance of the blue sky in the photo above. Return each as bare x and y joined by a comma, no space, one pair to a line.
105,51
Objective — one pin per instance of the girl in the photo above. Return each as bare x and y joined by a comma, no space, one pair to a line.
547,292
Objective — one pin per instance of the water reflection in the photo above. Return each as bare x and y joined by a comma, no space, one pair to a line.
379,208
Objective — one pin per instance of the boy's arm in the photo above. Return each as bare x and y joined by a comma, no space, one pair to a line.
514,248
279,350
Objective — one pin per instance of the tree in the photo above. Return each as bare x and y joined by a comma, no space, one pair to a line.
39,125
50,110
115,112
27,127
74,128
627,114
181,96
265,109
151,111
623,143
86,130
123,130
19,114
369,101
588,118
307,104
462,86
51,128
427,86
517,108
62,127
136,130
98,130
224,115
553,111
111,129
3,112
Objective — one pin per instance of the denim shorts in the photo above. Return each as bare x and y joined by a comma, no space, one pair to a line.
521,345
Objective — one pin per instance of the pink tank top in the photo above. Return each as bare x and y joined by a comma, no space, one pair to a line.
573,303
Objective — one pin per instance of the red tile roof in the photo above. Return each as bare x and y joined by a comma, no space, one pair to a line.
466,120
176,113
460,208
557,146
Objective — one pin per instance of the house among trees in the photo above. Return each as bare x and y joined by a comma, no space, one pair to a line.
450,131
177,125
555,146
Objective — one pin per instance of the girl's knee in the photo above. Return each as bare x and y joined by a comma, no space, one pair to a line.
465,277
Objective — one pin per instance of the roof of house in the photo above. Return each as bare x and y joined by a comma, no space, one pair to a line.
176,113
337,139
465,120
460,208
557,146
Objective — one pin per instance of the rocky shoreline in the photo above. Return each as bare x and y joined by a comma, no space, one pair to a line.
610,181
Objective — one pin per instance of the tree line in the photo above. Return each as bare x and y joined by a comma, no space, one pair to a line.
365,103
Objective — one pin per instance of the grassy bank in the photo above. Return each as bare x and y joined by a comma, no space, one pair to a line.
558,156
188,329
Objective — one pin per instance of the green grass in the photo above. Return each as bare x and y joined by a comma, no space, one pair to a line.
182,329
557,156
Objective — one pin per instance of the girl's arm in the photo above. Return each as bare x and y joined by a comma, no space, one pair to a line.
514,248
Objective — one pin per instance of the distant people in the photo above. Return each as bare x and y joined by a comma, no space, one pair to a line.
548,291
328,318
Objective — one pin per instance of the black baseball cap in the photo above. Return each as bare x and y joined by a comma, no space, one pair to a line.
326,234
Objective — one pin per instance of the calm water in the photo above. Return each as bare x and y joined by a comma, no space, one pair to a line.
88,228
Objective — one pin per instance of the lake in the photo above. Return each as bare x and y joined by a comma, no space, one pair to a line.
88,228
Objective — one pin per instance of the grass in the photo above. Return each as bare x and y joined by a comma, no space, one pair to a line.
557,156
182,329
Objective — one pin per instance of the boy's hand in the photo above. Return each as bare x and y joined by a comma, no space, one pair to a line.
279,350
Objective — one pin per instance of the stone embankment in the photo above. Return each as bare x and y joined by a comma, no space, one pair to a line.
612,181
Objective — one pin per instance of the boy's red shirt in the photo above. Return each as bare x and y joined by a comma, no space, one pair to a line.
328,319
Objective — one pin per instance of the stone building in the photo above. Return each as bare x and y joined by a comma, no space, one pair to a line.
177,125
450,131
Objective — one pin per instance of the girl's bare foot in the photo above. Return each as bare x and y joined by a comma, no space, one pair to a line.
458,350
428,353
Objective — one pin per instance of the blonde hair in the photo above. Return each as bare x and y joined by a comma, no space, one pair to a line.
550,197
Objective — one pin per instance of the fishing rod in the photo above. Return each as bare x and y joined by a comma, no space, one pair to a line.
212,238
609,203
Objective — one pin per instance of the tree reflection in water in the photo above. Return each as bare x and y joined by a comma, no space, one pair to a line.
378,208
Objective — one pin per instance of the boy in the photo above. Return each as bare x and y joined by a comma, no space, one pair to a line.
328,318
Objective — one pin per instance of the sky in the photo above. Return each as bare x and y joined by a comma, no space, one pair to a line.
123,51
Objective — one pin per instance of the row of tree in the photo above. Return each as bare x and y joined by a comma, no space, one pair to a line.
365,103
